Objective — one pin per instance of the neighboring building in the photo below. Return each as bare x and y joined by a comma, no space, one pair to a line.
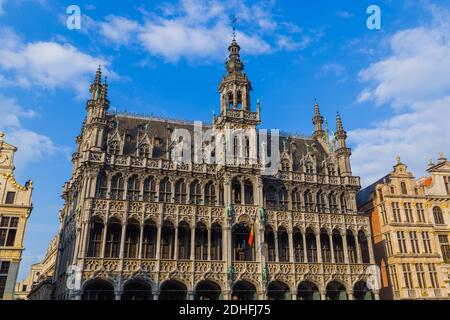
437,190
23,287
38,285
138,225
15,208
405,232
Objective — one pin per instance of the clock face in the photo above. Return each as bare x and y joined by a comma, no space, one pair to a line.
3,158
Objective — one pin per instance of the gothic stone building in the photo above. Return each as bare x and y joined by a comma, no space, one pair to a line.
138,225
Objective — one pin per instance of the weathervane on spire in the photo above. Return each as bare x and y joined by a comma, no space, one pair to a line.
234,21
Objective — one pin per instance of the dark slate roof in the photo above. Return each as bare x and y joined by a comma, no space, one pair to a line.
131,125
365,194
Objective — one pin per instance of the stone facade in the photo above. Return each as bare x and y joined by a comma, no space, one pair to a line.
15,208
138,225
38,285
406,231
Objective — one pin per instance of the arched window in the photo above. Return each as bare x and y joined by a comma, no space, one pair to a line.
165,190
438,217
283,245
271,197
351,247
149,240
235,146
283,196
311,246
237,191
403,187
309,167
296,200
112,245
343,203
332,202
239,100
285,165
195,193
184,241
247,147
117,188
242,250
95,238
216,242
363,244
210,194
338,247
270,243
299,254
167,240
248,192
132,239
102,185
180,191
134,186
320,201
230,100
150,189
114,148
331,170
326,249
144,151
201,242
309,202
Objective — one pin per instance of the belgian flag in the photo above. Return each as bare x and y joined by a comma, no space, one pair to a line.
251,237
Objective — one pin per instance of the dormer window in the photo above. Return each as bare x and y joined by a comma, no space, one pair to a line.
114,148
309,168
285,165
331,170
144,151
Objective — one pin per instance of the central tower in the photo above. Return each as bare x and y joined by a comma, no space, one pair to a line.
234,89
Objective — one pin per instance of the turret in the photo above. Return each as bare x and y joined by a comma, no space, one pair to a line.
343,152
317,121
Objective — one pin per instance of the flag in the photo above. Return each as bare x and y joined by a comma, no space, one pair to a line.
251,238
428,182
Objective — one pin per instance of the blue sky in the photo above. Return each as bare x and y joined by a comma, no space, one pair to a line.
392,86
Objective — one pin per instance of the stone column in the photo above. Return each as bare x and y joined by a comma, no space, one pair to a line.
319,248
158,242
305,253
371,254
209,242
345,248
105,229
141,238
333,259
192,243
350,295
323,295
291,247
122,241
175,256
277,256
358,249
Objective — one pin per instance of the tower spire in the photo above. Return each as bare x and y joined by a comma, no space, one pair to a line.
96,85
317,121
343,152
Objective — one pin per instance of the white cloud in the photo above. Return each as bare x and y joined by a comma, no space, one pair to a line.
118,29
337,70
2,4
414,81
200,30
31,146
344,14
49,65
